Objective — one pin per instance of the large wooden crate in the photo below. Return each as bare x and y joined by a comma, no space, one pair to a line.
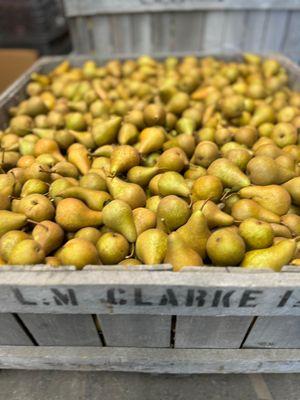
148,318
130,27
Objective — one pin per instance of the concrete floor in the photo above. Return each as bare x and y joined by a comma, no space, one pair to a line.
58,385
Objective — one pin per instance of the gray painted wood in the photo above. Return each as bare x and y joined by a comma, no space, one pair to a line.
291,40
274,332
211,332
254,29
62,330
12,333
170,361
136,330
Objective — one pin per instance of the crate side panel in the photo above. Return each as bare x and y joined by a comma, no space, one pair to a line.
62,330
255,24
275,332
212,35
141,34
162,32
211,332
120,32
291,42
276,29
101,35
12,333
233,29
136,330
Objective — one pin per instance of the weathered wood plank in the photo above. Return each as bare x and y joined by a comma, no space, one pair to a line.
187,31
170,361
275,31
275,332
212,36
141,34
253,38
211,332
62,330
136,330
12,333
292,38
150,292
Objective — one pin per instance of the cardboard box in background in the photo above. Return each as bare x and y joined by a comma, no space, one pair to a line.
13,62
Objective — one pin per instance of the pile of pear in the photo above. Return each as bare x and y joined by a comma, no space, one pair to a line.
189,162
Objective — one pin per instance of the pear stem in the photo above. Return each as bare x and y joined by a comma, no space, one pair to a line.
131,251
204,204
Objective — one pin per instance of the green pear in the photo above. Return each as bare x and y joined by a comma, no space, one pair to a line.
94,199
230,175
151,139
88,233
104,151
112,248
214,216
106,132
179,255
173,159
153,202
194,172
293,187
65,168
154,115
34,186
49,235
130,193
292,221
205,153
72,215
274,257
128,133
263,170
36,207
118,216
273,197
256,234
225,247
84,138
9,240
78,252
280,230
10,220
172,212
79,156
207,187
172,182
123,158
26,252
185,141
151,246
246,208
142,175
195,232
143,219
93,181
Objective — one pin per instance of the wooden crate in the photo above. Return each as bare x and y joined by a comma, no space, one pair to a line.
131,27
148,318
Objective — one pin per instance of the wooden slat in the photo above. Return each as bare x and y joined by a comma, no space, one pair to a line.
292,39
211,332
12,333
212,36
275,332
254,30
187,31
275,30
136,330
101,35
120,32
62,330
162,25
141,34
233,30
170,361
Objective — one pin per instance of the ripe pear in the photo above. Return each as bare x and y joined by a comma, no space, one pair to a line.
173,159
11,221
263,170
123,158
135,117
172,182
172,212
34,186
268,150
65,168
104,151
37,171
286,161
84,138
130,262
194,172
26,252
185,141
106,132
78,155
153,184
53,261
142,175
229,174
151,139
9,240
195,232
240,157
205,153
246,208
118,216
58,186
88,233
48,146
272,197
112,248
78,252
73,214
131,193
143,219
293,187
94,199
281,230
36,207
225,247
246,135
256,234
179,255
185,125
178,103
154,115
152,203
284,134
214,216
93,181
101,163
128,134
273,257
151,246
292,221
21,125
6,197
207,187
49,235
